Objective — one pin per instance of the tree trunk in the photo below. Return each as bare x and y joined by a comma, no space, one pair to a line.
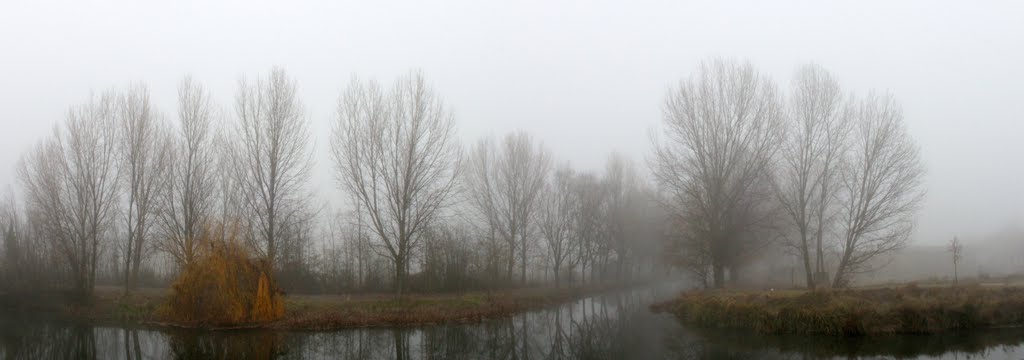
128,286
511,263
583,272
956,277
522,278
399,277
719,274
557,266
837,279
807,267
136,262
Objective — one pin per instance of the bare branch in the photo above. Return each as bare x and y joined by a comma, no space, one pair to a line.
396,153
271,159
723,129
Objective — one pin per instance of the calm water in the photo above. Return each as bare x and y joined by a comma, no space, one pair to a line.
615,326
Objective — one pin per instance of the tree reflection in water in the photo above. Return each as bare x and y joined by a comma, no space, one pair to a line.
604,327
616,326
227,345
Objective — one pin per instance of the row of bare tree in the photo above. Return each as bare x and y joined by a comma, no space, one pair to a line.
740,168
396,153
117,181
116,176
836,178
585,222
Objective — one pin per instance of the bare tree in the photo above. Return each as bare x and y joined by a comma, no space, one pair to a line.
881,184
818,123
271,159
621,184
27,261
723,129
144,152
70,181
481,185
10,228
524,168
956,249
229,208
556,218
506,181
359,246
396,153
190,193
591,225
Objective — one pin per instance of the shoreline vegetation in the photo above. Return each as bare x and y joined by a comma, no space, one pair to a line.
146,307
909,309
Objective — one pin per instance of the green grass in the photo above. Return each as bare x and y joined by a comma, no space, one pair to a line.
905,310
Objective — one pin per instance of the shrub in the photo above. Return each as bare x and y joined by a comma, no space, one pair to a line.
224,286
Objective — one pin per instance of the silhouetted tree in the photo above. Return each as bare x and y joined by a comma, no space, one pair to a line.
397,154
189,200
881,187
556,218
144,150
956,249
271,160
70,181
723,127
505,182
809,168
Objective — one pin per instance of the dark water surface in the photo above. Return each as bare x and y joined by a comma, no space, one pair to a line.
613,326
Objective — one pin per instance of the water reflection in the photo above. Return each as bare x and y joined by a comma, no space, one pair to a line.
604,327
53,339
227,345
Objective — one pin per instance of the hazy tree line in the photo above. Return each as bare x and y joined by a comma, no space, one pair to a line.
833,178
121,192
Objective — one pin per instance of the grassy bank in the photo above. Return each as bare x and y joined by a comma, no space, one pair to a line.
314,312
318,313
902,310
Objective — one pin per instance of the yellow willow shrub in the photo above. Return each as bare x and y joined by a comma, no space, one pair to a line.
224,286
269,305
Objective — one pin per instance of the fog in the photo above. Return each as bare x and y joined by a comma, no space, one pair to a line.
584,78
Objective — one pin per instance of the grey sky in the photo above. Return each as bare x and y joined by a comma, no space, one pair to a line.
585,77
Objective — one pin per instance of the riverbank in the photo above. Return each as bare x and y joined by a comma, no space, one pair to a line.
324,313
891,310
316,312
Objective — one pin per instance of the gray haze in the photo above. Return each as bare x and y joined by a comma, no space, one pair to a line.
586,78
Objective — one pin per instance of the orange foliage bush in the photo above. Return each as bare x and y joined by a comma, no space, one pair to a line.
224,286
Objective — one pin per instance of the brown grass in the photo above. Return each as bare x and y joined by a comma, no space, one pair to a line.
317,313
907,310
323,312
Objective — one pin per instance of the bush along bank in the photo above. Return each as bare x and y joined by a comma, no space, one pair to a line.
904,310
